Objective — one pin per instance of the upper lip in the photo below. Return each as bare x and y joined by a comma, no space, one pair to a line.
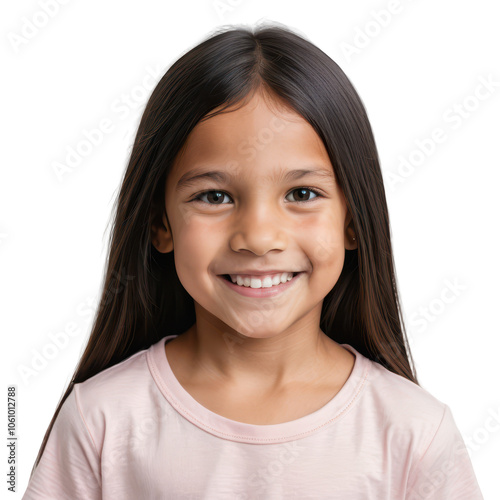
255,272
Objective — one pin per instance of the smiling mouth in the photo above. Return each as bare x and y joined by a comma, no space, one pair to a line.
228,278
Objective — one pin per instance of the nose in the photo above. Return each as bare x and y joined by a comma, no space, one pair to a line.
258,229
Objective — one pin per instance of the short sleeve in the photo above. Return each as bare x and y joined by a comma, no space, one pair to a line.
70,466
444,471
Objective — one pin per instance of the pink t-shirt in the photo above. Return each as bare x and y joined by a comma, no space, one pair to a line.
133,432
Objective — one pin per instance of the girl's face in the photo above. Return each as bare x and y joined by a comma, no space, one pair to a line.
260,212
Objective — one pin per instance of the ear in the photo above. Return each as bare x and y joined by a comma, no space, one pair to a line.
161,235
350,237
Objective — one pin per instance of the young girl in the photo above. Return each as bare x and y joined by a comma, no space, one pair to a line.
248,342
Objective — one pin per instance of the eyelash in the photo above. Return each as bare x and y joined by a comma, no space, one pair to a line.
197,197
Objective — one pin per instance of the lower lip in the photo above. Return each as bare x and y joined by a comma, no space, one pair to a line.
261,292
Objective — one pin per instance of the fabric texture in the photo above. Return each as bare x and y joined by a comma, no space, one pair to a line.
133,432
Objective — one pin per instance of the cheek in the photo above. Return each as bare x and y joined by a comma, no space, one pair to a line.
195,247
323,241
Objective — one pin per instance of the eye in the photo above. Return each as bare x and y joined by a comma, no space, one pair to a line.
218,196
303,192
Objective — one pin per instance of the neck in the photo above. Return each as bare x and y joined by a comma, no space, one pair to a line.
299,355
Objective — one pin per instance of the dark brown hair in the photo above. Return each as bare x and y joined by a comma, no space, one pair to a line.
363,307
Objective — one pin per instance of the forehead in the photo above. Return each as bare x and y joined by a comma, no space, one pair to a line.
257,138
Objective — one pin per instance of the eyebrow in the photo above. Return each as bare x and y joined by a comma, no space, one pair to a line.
191,177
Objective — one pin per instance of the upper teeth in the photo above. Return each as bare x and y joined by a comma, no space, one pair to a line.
261,281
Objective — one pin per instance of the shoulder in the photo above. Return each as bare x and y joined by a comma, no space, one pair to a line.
397,399
400,409
117,384
413,422
405,406
115,399
421,433
402,397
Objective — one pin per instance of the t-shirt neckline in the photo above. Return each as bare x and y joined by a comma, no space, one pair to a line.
243,432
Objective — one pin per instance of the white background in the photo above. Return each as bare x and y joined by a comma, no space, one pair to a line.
413,74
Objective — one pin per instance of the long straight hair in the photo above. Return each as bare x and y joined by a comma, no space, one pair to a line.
224,69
